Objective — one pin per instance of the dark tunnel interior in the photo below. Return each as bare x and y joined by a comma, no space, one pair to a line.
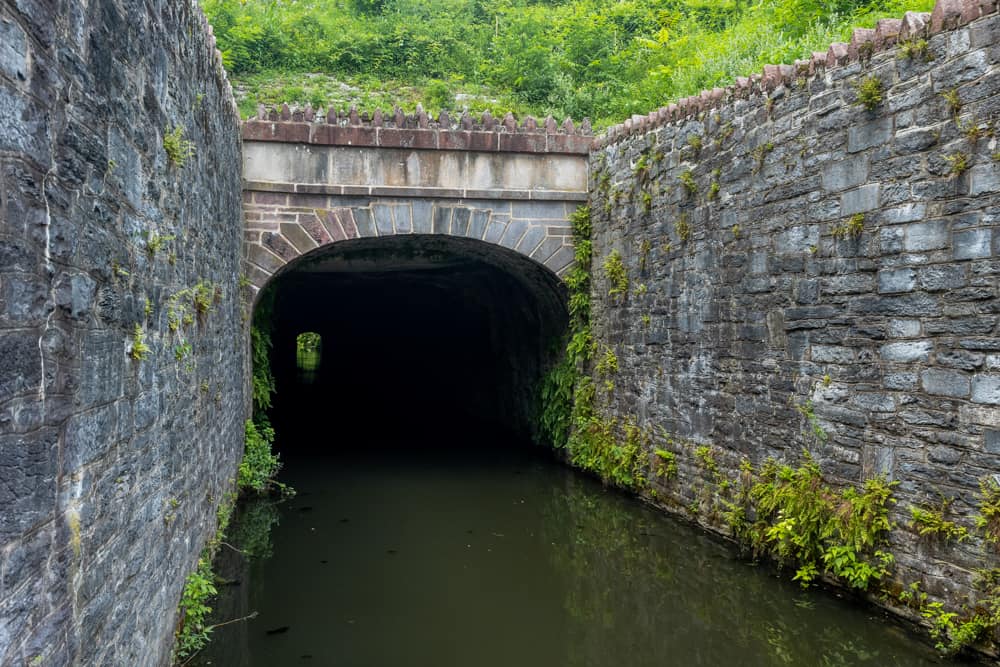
420,335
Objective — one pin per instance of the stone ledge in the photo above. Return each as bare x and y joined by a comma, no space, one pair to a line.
498,139
410,192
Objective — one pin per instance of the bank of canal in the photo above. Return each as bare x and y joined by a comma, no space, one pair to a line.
481,553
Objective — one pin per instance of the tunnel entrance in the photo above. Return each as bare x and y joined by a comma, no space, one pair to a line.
373,339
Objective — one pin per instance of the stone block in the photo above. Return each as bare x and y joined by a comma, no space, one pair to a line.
910,212
897,280
991,441
907,352
972,244
986,389
868,134
797,239
904,328
942,277
984,178
832,354
926,236
902,381
860,200
845,173
953,384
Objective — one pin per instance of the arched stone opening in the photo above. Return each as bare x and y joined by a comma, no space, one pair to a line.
416,330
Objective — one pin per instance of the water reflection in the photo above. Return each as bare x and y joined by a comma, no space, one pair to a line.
497,557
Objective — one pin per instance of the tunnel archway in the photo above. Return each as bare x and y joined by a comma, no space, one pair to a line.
416,330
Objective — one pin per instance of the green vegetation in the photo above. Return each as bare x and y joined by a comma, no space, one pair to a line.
614,272
666,463
931,522
802,522
953,100
850,228
759,153
259,464
193,629
556,393
178,149
870,91
988,519
682,227
155,241
915,49
573,57
687,180
308,347
958,163
139,349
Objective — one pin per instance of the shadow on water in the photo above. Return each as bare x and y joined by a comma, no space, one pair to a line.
426,546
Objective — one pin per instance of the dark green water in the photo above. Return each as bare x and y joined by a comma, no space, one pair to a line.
498,557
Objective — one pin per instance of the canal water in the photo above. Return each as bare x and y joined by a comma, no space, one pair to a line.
481,553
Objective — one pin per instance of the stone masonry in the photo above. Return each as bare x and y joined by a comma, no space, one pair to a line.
313,180
791,252
111,467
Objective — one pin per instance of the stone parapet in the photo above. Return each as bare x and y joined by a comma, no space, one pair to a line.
418,131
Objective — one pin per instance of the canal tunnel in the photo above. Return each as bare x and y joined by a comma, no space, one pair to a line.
409,334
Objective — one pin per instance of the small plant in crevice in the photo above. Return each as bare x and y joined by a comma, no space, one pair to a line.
614,272
760,153
930,522
178,149
641,167
608,364
953,101
870,91
988,519
850,228
182,351
139,350
806,410
958,163
695,142
646,320
687,180
915,49
155,241
641,289
682,227
665,466
725,132
647,202
736,231
703,455
973,130
644,248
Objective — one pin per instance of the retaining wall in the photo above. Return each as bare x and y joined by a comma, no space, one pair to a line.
111,467
791,252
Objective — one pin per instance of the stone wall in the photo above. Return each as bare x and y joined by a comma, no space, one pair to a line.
311,180
111,467
791,252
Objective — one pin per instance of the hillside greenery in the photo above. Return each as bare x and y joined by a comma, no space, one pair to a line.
600,59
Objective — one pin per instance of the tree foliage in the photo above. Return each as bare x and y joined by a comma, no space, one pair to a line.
593,58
